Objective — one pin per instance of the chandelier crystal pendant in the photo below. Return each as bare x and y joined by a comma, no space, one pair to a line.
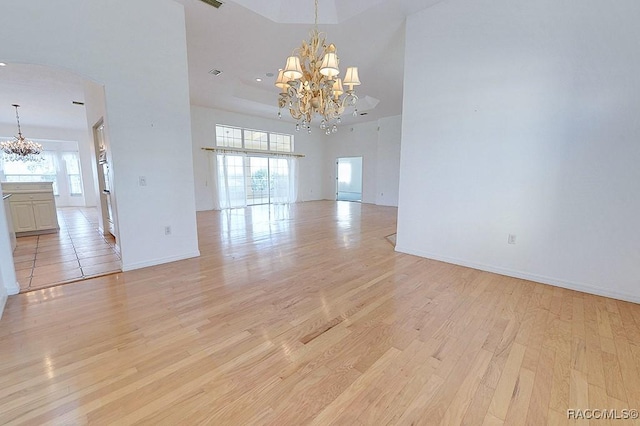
20,148
310,84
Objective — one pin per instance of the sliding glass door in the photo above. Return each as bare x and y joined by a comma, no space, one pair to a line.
258,188
282,185
244,180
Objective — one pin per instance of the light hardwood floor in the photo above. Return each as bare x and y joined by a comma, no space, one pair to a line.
306,315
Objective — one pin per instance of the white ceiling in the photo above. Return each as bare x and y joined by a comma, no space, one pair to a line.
302,12
245,39
45,96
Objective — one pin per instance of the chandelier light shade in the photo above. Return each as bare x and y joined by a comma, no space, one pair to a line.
337,87
281,82
351,77
20,148
293,70
310,84
329,66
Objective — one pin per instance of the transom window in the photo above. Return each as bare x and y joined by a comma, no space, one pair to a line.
236,137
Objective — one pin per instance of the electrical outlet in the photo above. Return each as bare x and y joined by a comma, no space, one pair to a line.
167,230
512,239
142,181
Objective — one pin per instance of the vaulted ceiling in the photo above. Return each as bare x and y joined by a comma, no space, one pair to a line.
247,40
45,94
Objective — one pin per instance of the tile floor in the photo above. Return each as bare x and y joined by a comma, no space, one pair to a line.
78,251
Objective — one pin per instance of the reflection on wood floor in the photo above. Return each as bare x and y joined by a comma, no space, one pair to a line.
306,315
76,252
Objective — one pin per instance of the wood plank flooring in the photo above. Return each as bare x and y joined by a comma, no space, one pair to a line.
304,314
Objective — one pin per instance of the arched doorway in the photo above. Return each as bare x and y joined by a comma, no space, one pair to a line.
56,107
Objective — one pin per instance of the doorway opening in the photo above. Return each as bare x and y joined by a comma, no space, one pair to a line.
104,179
71,244
349,179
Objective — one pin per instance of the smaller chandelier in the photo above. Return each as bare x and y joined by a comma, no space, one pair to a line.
20,148
310,84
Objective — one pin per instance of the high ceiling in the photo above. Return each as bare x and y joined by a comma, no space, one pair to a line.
45,96
302,12
246,40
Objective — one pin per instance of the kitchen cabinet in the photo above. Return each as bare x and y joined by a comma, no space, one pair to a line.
33,207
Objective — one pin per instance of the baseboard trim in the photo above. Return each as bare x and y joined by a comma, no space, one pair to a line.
13,290
155,262
3,302
39,232
570,285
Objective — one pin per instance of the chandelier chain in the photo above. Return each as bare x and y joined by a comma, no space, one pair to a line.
18,119
316,15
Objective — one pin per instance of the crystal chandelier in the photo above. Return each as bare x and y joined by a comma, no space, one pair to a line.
20,148
310,84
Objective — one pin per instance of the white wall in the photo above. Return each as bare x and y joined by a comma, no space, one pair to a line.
141,58
203,128
388,161
67,135
8,282
378,143
521,118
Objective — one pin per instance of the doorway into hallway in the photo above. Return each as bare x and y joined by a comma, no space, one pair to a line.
349,179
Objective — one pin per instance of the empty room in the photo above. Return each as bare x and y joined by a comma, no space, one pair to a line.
319,212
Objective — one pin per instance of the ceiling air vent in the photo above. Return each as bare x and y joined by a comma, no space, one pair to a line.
214,3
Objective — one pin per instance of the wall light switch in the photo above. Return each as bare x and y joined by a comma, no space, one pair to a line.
142,181
512,239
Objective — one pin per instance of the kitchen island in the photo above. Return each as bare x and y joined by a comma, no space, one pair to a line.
32,207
